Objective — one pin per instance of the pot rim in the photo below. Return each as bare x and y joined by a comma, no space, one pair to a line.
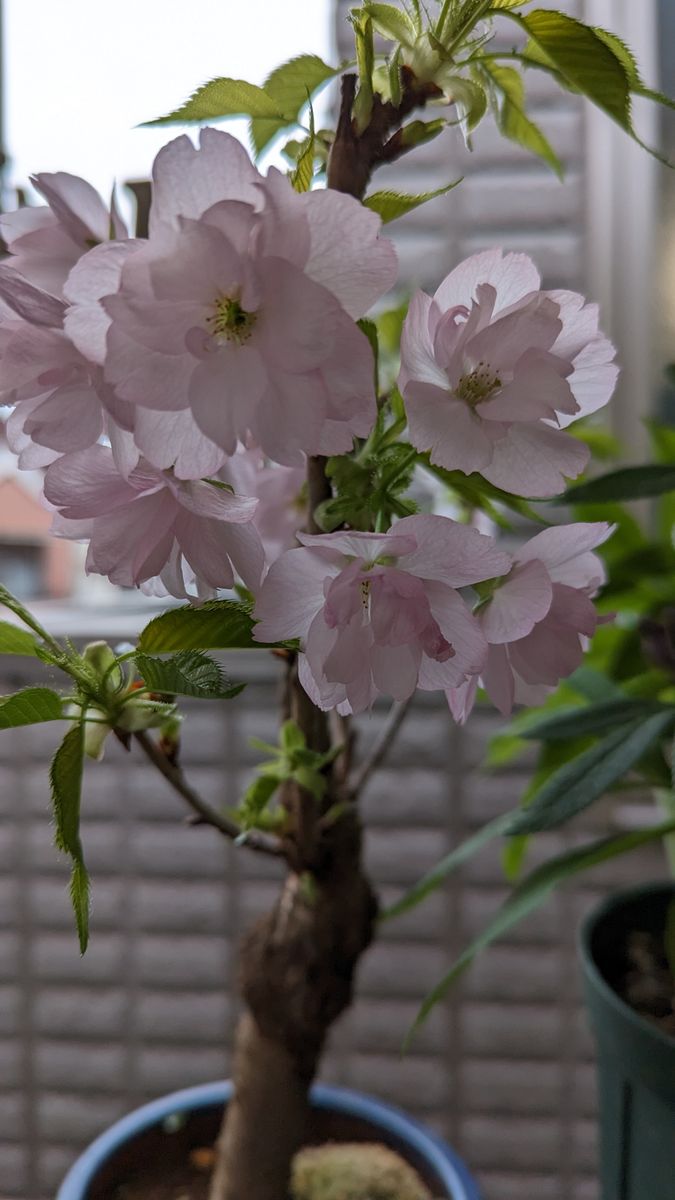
588,926
450,1169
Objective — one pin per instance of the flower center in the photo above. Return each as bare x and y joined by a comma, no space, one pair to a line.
230,321
365,593
477,385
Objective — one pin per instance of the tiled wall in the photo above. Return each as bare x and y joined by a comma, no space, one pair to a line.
503,1068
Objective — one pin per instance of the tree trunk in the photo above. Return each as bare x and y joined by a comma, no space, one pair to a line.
298,963
297,971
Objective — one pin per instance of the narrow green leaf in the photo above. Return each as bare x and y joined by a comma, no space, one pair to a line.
289,86
188,673
591,719
65,777
391,22
31,706
392,205
222,98
217,625
365,58
578,783
14,640
447,866
629,483
532,892
512,118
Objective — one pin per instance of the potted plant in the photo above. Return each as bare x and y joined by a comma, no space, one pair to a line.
609,729
188,392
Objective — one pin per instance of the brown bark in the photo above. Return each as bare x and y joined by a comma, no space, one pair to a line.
298,963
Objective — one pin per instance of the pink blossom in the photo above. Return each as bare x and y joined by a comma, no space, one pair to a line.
240,308
380,613
151,529
46,242
61,401
492,368
538,617
281,493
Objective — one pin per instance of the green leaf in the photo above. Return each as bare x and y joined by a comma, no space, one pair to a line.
392,205
583,58
629,483
223,98
591,719
216,625
31,706
14,640
469,98
532,892
578,783
416,133
512,118
447,866
365,58
188,673
290,87
391,22
291,737
65,777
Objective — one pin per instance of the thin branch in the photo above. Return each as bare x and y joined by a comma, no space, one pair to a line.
255,840
397,715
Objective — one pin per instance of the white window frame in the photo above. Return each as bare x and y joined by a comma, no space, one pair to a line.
622,206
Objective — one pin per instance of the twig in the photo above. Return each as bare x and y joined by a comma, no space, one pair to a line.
255,840
397,715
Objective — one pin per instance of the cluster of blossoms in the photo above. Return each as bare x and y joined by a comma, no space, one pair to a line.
172,387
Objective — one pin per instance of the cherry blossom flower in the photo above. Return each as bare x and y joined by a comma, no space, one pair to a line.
61,400
538,618
492,368
380,613
240,308
46,242
153,530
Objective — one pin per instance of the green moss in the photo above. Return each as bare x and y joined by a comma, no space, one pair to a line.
358,1171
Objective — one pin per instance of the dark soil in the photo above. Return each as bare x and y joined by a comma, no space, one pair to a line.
173,1161
648,984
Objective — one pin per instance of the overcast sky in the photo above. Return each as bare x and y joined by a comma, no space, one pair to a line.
80,74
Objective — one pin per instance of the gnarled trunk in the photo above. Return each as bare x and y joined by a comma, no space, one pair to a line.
297,971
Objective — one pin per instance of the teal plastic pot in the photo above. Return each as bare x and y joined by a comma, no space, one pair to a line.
183,1120
636,1060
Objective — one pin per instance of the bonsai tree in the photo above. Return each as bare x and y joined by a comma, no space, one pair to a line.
214,411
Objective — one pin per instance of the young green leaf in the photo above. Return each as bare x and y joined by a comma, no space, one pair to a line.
65,777
392,205
512,118
416,133
629,483
365,58
218,624
391,22
290,87
577,784
532,892
14,640
31,706
583,59
188,673
222,98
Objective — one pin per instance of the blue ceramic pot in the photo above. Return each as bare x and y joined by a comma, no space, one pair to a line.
388,1124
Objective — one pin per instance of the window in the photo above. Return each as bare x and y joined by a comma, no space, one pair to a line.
22,569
